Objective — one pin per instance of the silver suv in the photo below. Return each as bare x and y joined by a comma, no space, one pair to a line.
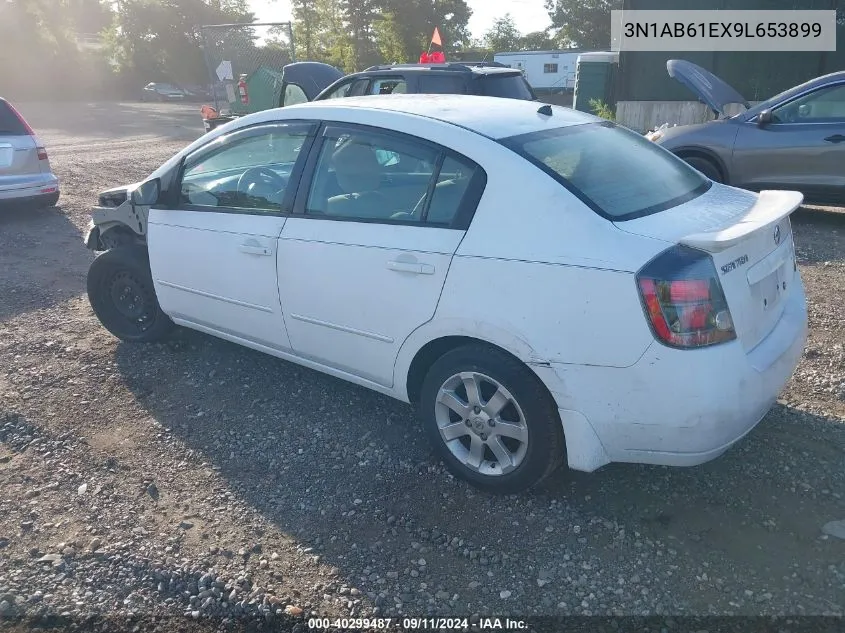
25,175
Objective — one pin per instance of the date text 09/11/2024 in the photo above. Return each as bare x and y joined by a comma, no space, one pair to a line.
415,624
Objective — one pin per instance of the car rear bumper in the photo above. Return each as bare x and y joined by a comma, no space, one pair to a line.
45,189
677,407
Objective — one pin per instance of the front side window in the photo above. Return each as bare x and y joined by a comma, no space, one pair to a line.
618,173
249,173
826,105
340,92
368,176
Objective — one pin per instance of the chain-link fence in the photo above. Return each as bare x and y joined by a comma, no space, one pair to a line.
255,52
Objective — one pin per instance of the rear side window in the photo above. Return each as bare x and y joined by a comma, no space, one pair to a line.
438,84
616,172
10,124
508,86
389,86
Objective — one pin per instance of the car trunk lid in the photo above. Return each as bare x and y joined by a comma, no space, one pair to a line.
19,162
749,238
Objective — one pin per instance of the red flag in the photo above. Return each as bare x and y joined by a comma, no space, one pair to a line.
435,37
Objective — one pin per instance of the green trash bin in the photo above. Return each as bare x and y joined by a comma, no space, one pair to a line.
594,79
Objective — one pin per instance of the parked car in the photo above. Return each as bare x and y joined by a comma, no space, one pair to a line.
162,92
196,92
313,81
795,140
542,284
26,178
491,80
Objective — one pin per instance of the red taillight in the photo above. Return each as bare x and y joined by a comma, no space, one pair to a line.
25,125
42,153
684,301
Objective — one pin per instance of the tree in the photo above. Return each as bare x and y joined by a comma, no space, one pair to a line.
406,27
503,35
306,27
163,40
537,41
39,54
89,16
360,17
582,23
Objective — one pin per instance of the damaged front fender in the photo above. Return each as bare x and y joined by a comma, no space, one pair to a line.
116,220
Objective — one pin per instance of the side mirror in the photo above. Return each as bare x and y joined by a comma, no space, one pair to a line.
147,193
764,118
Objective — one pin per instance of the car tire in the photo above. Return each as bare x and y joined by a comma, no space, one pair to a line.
521,444
706,167
122,295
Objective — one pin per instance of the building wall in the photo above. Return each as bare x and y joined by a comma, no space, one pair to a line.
534,64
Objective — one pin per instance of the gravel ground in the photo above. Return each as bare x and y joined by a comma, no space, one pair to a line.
198,481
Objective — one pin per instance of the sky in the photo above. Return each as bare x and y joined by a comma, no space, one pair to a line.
529,15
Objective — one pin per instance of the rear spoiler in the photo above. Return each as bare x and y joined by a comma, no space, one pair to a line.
771,207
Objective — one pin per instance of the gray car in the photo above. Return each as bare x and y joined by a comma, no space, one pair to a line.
25,175
795,140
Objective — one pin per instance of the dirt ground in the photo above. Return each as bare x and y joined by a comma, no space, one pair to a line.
197,481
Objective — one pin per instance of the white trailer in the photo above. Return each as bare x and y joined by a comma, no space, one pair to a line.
544,70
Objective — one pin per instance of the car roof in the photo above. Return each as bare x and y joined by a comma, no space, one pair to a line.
493,117
475,68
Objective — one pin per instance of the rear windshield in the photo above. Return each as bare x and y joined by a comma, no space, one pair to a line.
10,125
441,84
616,172
509,86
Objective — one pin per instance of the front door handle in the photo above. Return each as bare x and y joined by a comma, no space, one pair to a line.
836,138
411,267
253,248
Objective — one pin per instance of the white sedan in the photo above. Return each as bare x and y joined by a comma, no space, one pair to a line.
543,285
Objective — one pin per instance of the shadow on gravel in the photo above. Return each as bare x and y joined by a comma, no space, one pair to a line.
819,235
348,471
42,260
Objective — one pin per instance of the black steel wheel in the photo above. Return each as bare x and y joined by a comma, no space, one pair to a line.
121,292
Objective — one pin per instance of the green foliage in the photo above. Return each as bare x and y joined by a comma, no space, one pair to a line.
600,108
39,53
537,41
582,23
111,48
503,35
406,27
161,40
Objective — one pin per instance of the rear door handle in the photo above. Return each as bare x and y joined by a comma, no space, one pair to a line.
836,138
411,267
252,248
